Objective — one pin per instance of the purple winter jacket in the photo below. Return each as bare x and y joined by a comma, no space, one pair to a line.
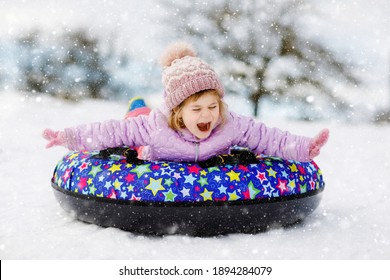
165,143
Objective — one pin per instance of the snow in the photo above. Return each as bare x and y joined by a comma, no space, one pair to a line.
350,223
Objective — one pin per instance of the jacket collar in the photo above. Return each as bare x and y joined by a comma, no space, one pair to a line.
188,136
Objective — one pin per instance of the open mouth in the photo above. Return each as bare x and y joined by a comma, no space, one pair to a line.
204,126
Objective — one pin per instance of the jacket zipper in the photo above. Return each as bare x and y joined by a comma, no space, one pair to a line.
196,151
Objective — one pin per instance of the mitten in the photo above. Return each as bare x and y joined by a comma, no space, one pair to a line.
55,138
317,143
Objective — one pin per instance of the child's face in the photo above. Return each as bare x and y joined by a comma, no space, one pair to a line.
201,116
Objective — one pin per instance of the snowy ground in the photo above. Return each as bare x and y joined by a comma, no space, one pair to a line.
351,223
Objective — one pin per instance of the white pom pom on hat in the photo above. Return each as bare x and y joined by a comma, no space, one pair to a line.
185,74
175,51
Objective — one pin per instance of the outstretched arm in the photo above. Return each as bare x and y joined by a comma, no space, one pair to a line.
97,136
275,142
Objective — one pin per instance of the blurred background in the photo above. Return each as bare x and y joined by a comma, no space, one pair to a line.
304,59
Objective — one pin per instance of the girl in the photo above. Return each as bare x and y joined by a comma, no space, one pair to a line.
195,125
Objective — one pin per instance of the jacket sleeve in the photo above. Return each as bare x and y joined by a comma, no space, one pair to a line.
109,134
270,141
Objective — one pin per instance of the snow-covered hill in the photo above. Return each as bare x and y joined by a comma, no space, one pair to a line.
351,222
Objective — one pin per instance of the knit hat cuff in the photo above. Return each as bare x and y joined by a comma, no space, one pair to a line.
191,87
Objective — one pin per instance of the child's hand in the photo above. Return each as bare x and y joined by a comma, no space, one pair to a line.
56,138
318,142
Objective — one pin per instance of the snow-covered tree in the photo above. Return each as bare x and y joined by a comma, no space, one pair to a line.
32,77
70,65
75,64
262,49
84,63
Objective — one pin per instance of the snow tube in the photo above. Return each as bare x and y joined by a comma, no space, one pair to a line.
210,198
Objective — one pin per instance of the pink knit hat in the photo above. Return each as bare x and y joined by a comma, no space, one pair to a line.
185,74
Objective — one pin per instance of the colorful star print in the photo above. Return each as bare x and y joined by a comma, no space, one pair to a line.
169,195
190,179
202,181
252,190
207,195
185,192
115,167
233,195
282,186
155,186
194,169
160,181
234,176
141,169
